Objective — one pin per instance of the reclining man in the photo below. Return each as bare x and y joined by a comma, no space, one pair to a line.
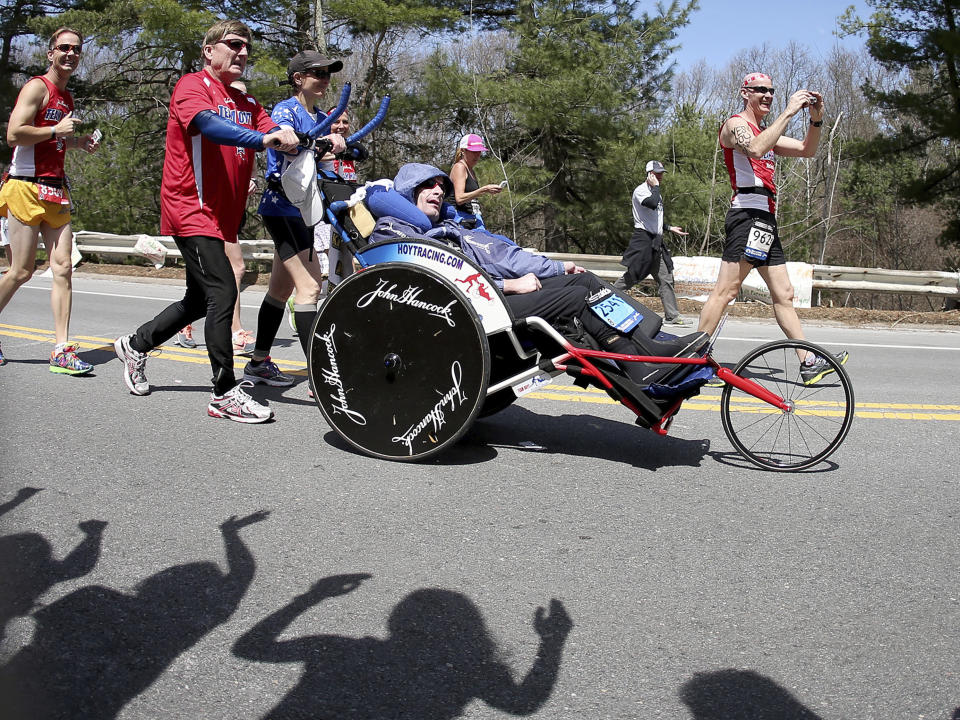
534,285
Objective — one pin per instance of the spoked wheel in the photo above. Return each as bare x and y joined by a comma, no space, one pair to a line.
399,362
816,421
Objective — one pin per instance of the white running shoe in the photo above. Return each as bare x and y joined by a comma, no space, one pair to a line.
134,366
238,406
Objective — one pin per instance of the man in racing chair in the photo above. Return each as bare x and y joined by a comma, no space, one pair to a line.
533,285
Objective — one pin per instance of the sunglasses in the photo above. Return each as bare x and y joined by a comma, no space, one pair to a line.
431,184
318,74
67,47
236,45
762,89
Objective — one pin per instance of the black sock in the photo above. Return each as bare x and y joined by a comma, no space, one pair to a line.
304,315
268,323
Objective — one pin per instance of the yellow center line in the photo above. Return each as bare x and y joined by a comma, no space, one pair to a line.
708,402
167,352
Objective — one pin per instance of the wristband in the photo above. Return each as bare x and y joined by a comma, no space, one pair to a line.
53,133
818,123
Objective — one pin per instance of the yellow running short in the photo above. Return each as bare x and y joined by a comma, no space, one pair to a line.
21,199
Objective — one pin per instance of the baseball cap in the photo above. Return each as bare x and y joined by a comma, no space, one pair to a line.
472,142
311,59
655,166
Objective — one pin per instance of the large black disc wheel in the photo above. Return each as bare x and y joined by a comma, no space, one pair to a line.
399,362
818,417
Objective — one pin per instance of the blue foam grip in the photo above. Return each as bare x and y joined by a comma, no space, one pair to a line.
325,123
377,119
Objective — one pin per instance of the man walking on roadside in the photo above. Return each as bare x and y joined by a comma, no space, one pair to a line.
34,196
752,240
646,252
212,134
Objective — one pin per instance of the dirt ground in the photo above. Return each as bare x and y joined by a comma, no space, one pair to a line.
690,308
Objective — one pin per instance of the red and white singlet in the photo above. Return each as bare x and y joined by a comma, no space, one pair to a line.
746,172
45,159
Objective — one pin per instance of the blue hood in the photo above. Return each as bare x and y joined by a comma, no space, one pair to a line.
413,174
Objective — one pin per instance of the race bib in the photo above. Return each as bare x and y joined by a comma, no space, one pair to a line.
759,240
46,193
617,313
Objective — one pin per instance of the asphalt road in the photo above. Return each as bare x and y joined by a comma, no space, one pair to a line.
696,586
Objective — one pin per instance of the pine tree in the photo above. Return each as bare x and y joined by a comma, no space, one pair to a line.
922,39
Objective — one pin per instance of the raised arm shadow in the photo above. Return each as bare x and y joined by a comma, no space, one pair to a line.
437,657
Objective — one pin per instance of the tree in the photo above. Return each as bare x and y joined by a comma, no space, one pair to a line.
921,39
563,95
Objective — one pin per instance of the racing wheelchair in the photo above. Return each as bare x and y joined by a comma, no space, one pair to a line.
407,352
410,350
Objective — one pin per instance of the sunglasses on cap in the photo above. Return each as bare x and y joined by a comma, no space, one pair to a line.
236,44
762,89
67,47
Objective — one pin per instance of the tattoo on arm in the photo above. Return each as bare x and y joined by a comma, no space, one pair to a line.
742,136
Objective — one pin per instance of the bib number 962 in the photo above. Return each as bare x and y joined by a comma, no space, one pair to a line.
759,240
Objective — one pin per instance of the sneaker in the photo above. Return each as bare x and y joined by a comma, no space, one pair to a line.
236,405
64,360
814,373
3,360
185,339
291,317
134,365
677,322
266,372
243,342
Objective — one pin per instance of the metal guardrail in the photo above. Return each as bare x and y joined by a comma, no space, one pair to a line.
88,242
825,277
914,282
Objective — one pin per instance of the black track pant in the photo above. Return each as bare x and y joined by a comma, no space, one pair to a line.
211,292
561,299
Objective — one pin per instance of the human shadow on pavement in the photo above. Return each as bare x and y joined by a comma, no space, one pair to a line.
28,568
96,648
21,496
588,436
740,695
437,658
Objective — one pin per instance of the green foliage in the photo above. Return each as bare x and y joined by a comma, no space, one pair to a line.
920,38
696,189
584,81
569,104
117,188
375,16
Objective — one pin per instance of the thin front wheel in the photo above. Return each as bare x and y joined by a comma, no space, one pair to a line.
817,417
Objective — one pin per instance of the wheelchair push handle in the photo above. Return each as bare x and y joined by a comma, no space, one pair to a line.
307,142
355,150
375,122
324,125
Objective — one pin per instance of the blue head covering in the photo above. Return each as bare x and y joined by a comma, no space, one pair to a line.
413,174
